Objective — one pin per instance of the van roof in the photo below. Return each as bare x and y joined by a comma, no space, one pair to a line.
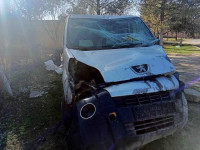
101,16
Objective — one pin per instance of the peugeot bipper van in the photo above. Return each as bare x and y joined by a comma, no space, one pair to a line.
121,90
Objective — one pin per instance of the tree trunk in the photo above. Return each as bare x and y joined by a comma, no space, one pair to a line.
167,35
162,15
161,36
98,7
193,34
5,83
176,36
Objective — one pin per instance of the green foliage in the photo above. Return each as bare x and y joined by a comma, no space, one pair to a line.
25,121
173,40
179,15
150,13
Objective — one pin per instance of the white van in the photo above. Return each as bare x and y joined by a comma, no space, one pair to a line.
121,90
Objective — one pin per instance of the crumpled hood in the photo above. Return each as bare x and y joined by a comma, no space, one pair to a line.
117,64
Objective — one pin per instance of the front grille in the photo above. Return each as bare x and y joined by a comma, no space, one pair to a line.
140,99
147,126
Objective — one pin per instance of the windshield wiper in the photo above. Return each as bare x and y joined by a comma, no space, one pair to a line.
127,45
151,43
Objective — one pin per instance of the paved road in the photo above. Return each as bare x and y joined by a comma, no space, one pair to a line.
192,41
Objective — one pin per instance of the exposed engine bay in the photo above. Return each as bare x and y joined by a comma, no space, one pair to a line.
84,79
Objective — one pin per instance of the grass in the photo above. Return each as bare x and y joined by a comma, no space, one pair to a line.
28,123
172,40
185,49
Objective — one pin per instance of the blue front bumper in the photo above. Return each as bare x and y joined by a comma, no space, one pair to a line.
128,129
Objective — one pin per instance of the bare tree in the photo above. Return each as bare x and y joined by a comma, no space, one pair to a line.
162,18
52,31
99,7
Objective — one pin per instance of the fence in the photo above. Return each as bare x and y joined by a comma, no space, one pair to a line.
21,39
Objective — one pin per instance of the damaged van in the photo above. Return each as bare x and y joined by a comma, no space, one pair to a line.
121,90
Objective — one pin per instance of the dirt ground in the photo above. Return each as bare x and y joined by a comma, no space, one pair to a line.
30,124
186,139
189,68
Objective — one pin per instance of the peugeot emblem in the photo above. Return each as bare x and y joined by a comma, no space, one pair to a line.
140,68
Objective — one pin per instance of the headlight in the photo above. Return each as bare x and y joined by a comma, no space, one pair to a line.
176,74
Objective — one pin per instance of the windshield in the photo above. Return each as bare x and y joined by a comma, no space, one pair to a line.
94,34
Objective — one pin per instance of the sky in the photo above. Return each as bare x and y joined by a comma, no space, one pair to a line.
132,11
